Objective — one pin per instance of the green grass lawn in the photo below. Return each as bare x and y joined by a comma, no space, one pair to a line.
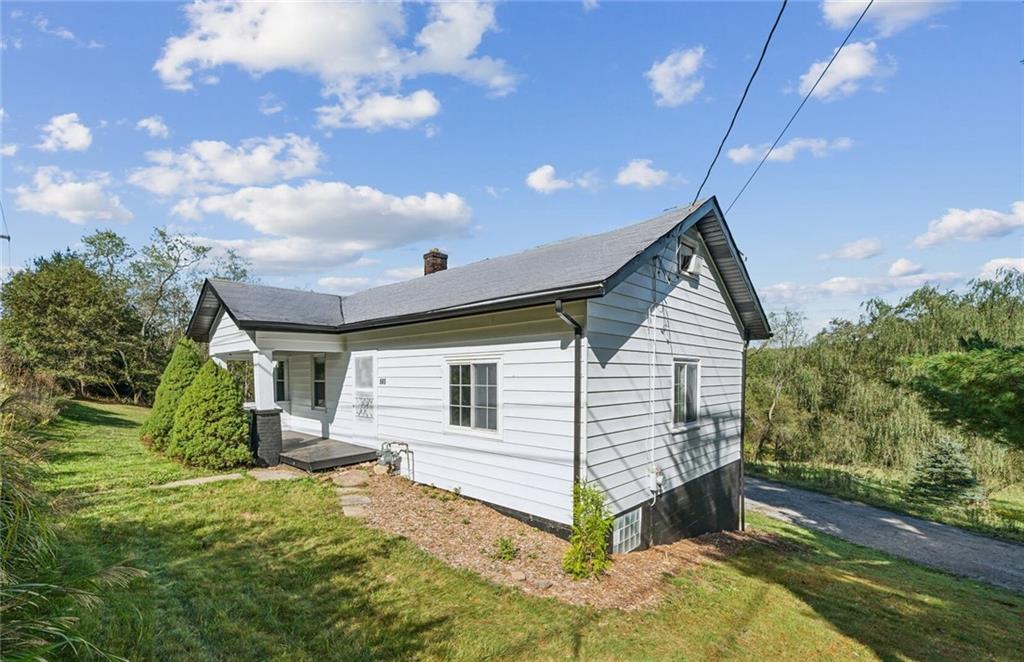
248,570
1003,518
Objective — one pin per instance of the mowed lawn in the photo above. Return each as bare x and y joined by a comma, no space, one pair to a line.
248,570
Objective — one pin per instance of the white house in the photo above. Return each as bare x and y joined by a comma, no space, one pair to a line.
615,358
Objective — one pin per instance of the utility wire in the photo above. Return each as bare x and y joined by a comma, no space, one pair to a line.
798,108
742,99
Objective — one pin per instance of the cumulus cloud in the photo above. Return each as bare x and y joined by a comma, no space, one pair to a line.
859,286
860,249
904,267
65,132
817,147
676,80
207,166
404,273
544,180
991,268
359,51
888,16
56,192
154,126
856,64
379,111
318,224
641,173
8,149
343,284
972,225
270,104
590,5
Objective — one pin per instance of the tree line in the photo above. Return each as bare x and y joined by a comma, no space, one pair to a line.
103,319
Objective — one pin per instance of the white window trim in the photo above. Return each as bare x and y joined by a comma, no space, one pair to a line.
445,380
313,380
692,425
287,382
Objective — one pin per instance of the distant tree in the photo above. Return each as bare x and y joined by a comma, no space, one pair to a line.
211,428
773,366
64,319
979,389
181,370
943,475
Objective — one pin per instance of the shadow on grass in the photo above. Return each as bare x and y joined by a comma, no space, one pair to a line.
222,587
84,413
899,610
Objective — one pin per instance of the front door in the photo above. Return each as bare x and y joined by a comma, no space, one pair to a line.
364,399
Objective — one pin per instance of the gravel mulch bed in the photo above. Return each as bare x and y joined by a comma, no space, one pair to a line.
463,533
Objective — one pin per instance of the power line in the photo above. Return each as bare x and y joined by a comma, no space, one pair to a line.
742,99
798,108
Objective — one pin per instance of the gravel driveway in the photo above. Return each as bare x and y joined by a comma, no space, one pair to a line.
945,547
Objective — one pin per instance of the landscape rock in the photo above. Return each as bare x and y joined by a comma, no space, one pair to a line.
543,583
380,469
348,490
351,479
355,500
276,474
355,511
518,575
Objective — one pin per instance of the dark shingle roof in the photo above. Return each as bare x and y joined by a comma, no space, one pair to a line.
572,268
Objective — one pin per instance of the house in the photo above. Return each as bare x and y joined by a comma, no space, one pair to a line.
616,358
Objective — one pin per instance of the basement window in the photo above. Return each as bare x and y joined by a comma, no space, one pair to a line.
473,395
281,381
626,532
685,392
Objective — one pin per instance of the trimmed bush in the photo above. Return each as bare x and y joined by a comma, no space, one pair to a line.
211,428
180,371
587,555
944,475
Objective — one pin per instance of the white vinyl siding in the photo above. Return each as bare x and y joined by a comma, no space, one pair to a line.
631,378
227,338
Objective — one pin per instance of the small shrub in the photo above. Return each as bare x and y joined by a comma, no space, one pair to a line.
178,375
505,549
944,475
211,428
587,555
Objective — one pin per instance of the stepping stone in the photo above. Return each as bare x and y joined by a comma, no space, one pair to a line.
197,481
543,583
518,575
351,479
276,474
348,490
355,500
355,511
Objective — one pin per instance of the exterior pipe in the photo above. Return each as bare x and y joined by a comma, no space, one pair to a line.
743,430
577,379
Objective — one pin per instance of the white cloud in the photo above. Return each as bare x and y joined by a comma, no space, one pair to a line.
817,147
590,5
65,132
860,249
675,79
318,224
10,42
359,51
379,111
343,284
42,24
8,149
154,125
56,192
206,166
404,273
859,286
640,173
3,114
270,104
972,225
543,180
991,268
857,63
904,267
888,16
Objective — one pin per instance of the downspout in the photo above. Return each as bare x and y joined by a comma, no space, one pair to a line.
577,381
743,422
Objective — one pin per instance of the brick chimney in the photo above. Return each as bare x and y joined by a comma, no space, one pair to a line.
434,260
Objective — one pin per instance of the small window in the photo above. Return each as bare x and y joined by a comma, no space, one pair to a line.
686,256
319,382
281,381
473,395
686,392
364,387
626,532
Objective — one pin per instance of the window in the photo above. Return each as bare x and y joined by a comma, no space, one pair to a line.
686,392
281,381
473,395
626,532
319,382
687,260
364,387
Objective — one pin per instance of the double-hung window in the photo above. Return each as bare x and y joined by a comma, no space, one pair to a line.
473,395
685,392
281,381
319,382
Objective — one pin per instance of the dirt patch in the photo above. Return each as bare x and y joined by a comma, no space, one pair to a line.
463,533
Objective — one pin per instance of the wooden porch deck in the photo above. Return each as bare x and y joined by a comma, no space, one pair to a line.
311,453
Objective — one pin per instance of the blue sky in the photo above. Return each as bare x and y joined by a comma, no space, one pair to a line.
334,144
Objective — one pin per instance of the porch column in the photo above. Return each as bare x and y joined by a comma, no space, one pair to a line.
266,423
